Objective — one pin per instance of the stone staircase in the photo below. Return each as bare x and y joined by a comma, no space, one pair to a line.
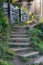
20,42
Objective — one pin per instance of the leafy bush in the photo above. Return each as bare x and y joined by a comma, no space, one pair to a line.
36,39
40,27
23,23
38,64
34,64
5,52
24,58
2,62
10,54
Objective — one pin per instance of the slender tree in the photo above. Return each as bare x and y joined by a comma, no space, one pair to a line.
20,10
9,9
9,1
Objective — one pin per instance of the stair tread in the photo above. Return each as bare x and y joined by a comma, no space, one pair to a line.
19,39
20,26
28,54
12,35
20,48
18,32
39,60
20,43
18,35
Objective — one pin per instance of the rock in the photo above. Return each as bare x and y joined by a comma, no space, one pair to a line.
15,13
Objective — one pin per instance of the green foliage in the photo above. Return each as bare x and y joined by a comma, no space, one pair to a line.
5,52
36,32
38,64
3,21
3,0
2,62
34,64
24,58
3,26
16,23
10,54
40,27
36,39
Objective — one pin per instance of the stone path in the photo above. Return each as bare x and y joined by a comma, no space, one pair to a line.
20,42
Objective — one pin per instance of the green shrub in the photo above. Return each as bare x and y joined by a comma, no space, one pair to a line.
5,28
38,64
24,58
2,62
10,54
40,27
35,64
36,39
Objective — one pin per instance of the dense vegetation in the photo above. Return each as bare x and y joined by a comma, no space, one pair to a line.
2,62
36,35
5,27
38,64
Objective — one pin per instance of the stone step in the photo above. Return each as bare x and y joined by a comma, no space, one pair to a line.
18,32
21,49
26,43
19,39
19,36
18,27
39,60
28,54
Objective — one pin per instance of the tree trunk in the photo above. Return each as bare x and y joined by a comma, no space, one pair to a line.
20,10
9,11
9,1
20,15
